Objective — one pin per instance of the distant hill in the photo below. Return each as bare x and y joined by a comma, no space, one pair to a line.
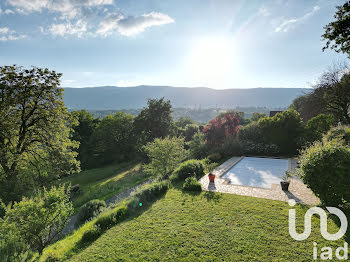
112,97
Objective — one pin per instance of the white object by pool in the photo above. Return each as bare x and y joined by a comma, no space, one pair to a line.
257,172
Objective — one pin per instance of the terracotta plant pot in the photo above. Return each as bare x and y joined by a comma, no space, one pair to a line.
285,185
211,178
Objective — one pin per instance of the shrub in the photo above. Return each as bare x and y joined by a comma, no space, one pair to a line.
110,219
231,146
90,209
197,146
215,157
187,169
152,192
90,235
340,132
317,126
191,184
324,167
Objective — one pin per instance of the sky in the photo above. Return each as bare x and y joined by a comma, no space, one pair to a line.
190,43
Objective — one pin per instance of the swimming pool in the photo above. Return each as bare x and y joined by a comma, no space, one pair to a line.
257,172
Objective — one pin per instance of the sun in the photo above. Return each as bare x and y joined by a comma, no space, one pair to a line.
210,60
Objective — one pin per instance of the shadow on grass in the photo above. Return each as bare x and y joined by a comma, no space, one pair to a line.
212,196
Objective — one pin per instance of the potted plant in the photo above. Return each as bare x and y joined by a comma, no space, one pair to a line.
211,177
285,181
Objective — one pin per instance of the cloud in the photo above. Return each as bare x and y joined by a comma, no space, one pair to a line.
63,29
67,8
9,35
287,25
131,25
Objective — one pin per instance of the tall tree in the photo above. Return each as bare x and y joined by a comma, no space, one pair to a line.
83,132
334,84
337,33
154,121
34,129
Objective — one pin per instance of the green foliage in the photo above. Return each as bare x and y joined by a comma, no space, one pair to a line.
214,157
154,121
309,105
34,130
187,169
337,32
90,235
191,184
281,133
197,146
165,154
90,210
324,167
189,131
110,219
112,141
182,122
256,116
40,219
339,132
149,193
317,126
82,133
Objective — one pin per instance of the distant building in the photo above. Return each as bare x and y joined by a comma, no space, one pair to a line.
273,113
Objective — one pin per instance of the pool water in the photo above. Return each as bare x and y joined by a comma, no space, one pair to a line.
257,172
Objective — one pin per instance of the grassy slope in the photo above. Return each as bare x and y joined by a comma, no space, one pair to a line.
208,227
105,182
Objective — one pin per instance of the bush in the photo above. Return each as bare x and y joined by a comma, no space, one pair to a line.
110,219
187,169
231,146
90,235
215,157
317,126
340,132
152,192
90,209
197,146
324,167
191,184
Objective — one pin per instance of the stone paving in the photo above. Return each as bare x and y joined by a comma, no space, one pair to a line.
297,189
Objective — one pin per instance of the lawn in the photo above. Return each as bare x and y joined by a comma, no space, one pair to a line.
208,227
105,182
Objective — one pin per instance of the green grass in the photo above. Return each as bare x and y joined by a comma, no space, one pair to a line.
205,227
105,182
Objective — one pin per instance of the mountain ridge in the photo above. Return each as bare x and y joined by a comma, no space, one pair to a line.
114,97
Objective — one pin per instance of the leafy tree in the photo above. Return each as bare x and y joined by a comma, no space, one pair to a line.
317,126
337,33
256,116
339,132
165,154
324,167
154,121
218,129
283,130
189,131
334,84
182,122
82,133
309,105
113,140
40,219
197,146
34,130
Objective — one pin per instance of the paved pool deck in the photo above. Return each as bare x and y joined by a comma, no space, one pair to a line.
297,189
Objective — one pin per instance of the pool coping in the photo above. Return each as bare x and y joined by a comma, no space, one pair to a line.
221,171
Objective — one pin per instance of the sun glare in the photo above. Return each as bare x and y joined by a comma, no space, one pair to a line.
210,60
